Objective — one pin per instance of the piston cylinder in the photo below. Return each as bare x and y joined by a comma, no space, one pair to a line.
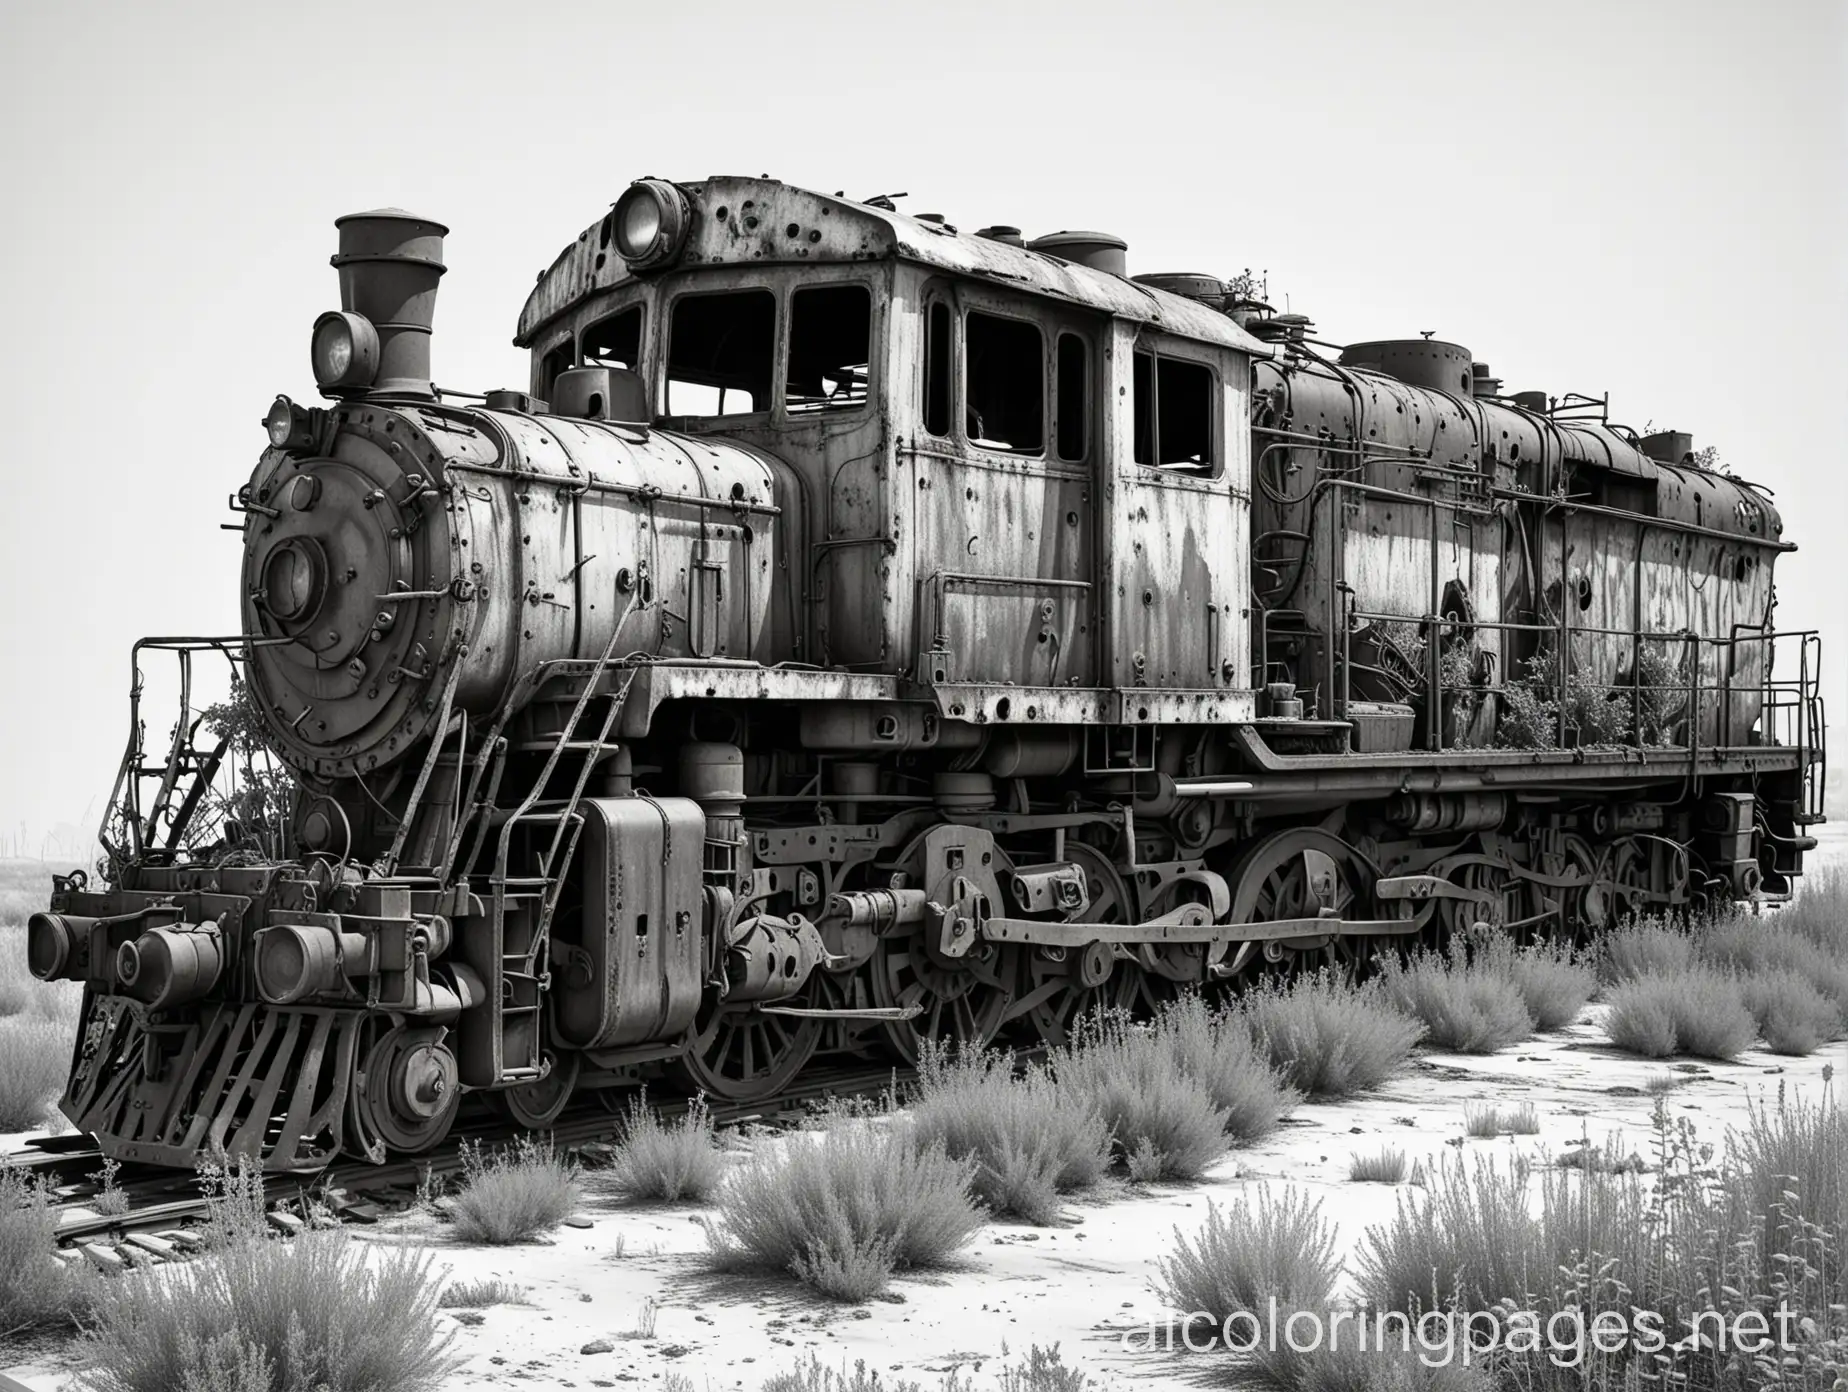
58,946
768,959
297,960
166,967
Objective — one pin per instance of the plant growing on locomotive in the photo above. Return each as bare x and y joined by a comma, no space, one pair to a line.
854,636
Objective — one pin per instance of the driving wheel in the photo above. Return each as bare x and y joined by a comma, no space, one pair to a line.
742,1054
1065,984
1303,873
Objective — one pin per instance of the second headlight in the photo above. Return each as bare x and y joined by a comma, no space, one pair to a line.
651,221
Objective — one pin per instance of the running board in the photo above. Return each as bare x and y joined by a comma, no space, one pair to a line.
891,1013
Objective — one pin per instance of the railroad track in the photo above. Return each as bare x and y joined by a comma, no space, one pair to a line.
159,1204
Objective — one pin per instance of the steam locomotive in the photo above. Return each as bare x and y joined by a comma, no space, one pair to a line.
861,632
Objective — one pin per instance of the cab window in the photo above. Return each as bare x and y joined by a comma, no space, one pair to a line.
1072,401
556,360
721,353
615,341
1004,384
1173,413
938,369
830,348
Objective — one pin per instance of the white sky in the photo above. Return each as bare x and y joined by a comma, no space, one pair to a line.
1644,198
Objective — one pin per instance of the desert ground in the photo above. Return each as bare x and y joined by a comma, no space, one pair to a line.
623,1296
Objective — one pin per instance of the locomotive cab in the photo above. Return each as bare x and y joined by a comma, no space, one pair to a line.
1025,471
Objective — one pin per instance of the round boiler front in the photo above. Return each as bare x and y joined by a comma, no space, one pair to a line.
434,551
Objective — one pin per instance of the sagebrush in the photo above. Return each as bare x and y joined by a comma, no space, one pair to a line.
514,1194
844,1209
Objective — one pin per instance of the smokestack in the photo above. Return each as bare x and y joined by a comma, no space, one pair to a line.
389,263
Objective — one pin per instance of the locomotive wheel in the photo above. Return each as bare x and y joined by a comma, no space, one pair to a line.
537,1105
1296,874
1567,913
963,1005
406,1096
740,1054
1456,916
1632,879
1055,995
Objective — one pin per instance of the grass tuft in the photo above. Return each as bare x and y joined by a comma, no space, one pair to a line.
1328,1037
513,1195
670,1163
844,1209
1385,1166
478,1295
1030,1137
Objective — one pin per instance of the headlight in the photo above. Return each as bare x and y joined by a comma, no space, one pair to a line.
287,425
344,351
651,221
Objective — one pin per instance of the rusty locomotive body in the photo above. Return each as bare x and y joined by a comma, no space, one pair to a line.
861,631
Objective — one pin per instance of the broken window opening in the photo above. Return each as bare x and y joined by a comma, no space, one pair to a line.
937,371
721,354
559,359
830,349
615,341
1073,402
1004,365
1173,413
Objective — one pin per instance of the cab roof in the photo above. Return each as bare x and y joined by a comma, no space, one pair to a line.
738,221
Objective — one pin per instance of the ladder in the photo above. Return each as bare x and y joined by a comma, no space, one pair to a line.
522,905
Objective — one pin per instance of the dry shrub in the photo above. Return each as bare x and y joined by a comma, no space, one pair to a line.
1216,1050
1467,1005
653,1161
513,1195
1031,1139
1761,1224
1711,1019
844,1209
37,1291
1162,1120
1641,1018
1696,1011
815,1376
258,1314
38,1026
1042,1370
1328,1037
1793,1017
1554,979
1820,911
1646,947
1756,945
1245,1256
35,1055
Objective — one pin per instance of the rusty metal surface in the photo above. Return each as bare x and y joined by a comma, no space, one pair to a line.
532,537
769,223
